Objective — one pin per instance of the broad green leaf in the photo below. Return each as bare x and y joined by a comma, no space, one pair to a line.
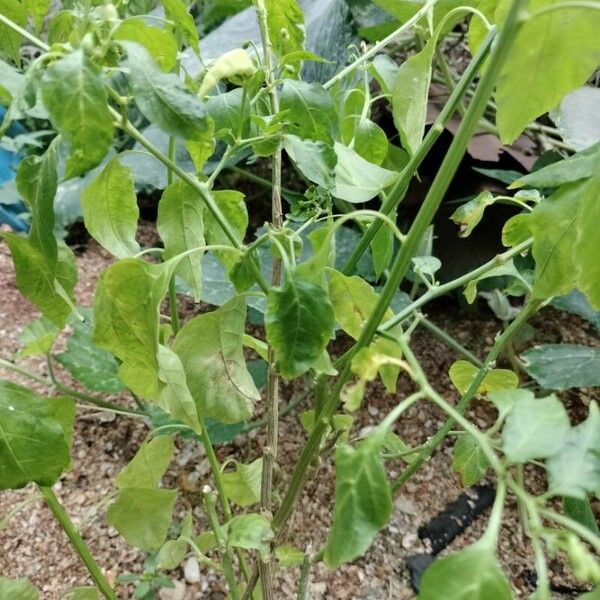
37,337
82,593
574,470
299,322
593,595
285,21
176,11
60,27
17,589
74,94
471,574
469,460
363,500
10,40
535,428
539,42
251,531
563,366
210,348
142,513
370,142
227,115
126,309
409,96
586,251
160,43
353,301
37,9
37,182
504,400
175,397
148,466
242,485
33,439
462,373
288,556
180,224
162,97
202,147
235,64
110,210
173,552
552,223
356,179
143,516
577,304
316,160
95,368
468,215
233,206
49,286
310,111
581,165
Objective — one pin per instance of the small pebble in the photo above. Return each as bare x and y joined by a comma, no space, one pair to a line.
191,570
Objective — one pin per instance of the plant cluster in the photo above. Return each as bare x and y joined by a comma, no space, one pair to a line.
104,69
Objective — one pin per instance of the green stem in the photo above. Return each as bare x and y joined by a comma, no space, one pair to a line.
211,513
466,398
304,578
6,364
583,532
450,341
173,309
401,186
493,529
77,542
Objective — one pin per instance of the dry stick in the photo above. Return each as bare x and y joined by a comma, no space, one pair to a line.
402,260
266,568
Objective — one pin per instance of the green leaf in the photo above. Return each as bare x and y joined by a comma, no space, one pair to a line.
162,97
180,224
95,368
126,310
539,42
202,146
285,21
469,460
17,589
233,206
593,595
310,109
37,9
534,428
35,278
176,11
574,470
471,574
469,214
315,159
74,94
356,179
288,556
242,486
251,531
110,210
581,165
577,304
210,348
353,301
37,337
462,373
173,552
10,40
227,114
299,322
82,593
160,43
234,65
33,440
586,251
143,516
370,141
363,500
142,513
563,366
175,397
409,96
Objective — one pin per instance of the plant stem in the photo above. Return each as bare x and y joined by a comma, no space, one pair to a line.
304,578
450,341
211,513
7,364
401,186
77,542
266,568
466,398
380,45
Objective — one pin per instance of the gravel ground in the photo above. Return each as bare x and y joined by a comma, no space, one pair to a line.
32,545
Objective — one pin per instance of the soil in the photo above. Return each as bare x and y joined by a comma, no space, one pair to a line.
32,545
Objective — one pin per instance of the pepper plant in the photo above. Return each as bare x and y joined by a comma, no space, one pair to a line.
105,69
